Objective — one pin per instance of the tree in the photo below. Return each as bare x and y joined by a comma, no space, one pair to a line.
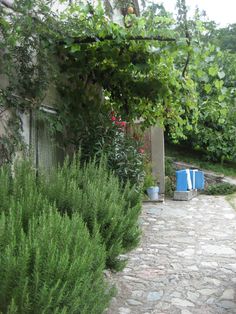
213,71
227,38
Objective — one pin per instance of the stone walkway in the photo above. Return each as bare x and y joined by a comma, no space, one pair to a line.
186,262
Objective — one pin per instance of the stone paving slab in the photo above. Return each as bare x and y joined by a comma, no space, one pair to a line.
186,261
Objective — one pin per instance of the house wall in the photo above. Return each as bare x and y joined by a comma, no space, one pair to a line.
37,137
35,133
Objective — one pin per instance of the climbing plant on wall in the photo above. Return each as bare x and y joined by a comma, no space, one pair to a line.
86,56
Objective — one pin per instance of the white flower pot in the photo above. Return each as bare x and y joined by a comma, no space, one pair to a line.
153,193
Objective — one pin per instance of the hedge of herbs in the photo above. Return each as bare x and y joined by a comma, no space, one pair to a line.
59,232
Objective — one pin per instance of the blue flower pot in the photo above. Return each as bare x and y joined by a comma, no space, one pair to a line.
152,192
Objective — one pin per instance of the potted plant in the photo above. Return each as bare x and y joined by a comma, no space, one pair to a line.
150,186
153,193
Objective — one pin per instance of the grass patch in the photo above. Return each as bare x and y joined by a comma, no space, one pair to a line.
179,153
221,189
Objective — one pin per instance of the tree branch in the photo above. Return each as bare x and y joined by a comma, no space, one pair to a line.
183,13
7,3
188,40
89,40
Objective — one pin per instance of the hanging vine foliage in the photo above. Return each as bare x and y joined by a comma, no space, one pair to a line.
85,55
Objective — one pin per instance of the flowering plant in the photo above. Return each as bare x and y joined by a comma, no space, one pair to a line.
125,155
108,134
124,152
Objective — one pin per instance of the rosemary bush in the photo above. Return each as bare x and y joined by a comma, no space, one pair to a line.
107,207
49,263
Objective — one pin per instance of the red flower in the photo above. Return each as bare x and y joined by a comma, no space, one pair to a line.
141,150
121,123
113,118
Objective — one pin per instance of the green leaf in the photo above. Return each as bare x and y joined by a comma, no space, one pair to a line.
218,84
221,74
221,98
213,70
208,88
75,48
221,121
200,73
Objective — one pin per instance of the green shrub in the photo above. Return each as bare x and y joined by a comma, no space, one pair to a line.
169,168
5,187
149,180
59,232
220,189
125,158
169,186
48,262
107,135
106,207
56,267
132,209
19,189
170,177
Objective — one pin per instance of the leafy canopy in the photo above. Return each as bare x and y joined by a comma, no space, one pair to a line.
80,48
